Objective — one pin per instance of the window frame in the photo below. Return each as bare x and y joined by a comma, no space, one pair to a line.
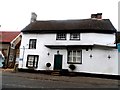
33,46
28,60
58,37
76,62
72,36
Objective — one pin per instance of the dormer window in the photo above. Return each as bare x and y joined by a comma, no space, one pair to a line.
74,36
61,36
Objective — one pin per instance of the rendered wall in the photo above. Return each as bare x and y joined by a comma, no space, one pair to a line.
99,63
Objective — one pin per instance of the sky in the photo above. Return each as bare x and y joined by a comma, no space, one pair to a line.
16,14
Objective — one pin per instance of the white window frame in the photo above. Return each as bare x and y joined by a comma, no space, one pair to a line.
74,57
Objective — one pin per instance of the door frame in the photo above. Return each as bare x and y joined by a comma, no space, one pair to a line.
55,61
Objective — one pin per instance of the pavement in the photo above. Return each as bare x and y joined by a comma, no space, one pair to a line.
77,79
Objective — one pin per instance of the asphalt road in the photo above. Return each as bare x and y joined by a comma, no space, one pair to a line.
21,80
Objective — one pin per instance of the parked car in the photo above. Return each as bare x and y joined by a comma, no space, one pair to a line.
1,60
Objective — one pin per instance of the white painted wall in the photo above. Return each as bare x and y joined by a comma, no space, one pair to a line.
86,39
99,63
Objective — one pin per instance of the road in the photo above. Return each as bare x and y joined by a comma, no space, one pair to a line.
20,82
28,80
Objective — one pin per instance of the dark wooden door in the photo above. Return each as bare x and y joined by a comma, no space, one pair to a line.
57,62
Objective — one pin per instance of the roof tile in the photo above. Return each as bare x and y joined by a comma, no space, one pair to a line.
83,24
8,36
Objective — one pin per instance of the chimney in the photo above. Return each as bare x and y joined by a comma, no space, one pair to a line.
33,17
99,15
93,16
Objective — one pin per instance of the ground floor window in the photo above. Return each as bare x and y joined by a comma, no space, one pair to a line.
75,56
32,61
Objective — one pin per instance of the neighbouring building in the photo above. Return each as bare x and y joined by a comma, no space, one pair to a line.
87,44
9,46
118,40
118,45
118,36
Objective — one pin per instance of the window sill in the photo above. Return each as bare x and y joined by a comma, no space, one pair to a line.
31,68
60,39
75,39
73,63
32,48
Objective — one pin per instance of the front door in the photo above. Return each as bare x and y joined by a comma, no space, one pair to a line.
57,62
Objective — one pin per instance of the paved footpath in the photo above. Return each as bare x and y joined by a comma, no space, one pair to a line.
77,79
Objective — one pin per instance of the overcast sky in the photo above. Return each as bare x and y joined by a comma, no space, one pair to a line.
16,14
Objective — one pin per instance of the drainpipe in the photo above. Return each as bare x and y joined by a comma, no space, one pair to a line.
14,60
23,51
23,54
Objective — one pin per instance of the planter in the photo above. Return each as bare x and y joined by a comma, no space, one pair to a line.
72,67
48,64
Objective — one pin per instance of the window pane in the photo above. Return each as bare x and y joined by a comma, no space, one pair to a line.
30,61
32,44
61,36
36,59
31,58
78,53
75,36
78,59
74,59
70,59
74,53
35,63
70,53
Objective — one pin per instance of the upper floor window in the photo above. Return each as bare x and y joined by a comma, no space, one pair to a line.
74,36
61,36
32,44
